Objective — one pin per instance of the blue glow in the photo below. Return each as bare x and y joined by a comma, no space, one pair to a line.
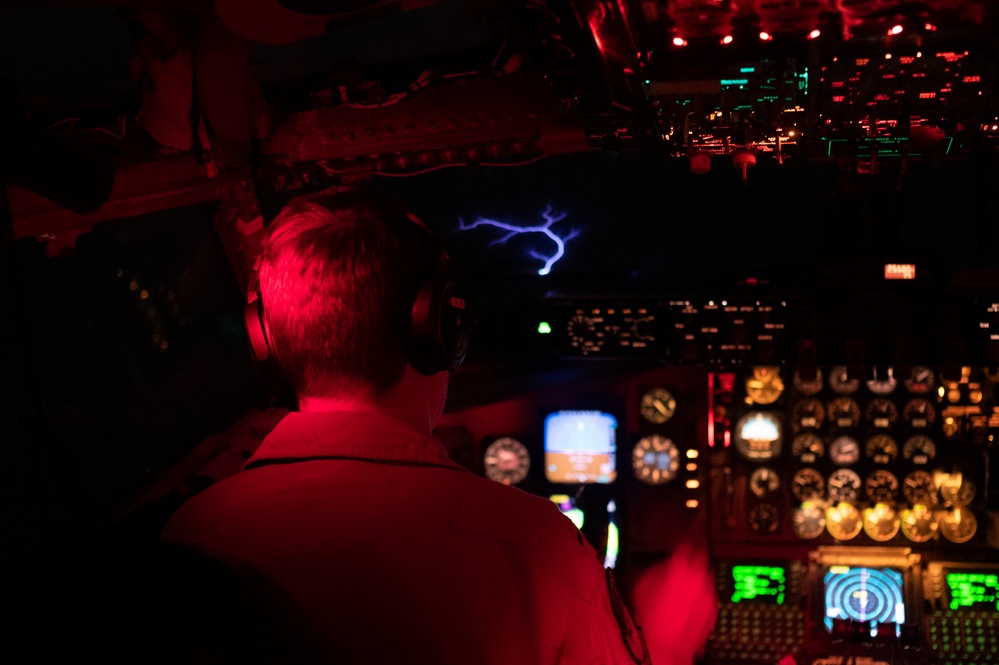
518,229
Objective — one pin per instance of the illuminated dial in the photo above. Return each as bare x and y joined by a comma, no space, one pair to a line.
807,414
882,449
918,488
808,386
844,450
975,393
808,485
840,381
881,486
655,460
881,522
844,485
808,447
764,386
884,385
764,518
844,412
958,525
881,413
764,481
919,413
919,524
586,332
957,490
843,521
951,427
920,449
507,461
657,406
809,521
921,381
758,436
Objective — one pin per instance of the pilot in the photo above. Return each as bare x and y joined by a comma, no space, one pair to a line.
395,553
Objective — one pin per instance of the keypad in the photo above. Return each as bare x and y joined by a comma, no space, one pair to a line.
963,638
755,633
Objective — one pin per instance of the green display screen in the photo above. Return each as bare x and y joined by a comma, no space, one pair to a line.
973,590
759,584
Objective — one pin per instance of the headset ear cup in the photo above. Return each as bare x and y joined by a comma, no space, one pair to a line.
254,318
439,328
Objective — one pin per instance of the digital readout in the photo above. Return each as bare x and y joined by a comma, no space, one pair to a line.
759,584
973,591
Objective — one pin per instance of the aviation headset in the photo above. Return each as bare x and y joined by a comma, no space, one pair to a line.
439,325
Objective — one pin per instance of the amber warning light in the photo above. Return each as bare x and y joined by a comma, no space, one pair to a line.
900,271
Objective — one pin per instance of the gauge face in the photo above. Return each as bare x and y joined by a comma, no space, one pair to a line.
844,485
844,450
758,436
958,525
958,491
918,488
881,413
808,447
764,386
657,406
764,518
808,485
843,521
882,449
920,449
840,381
919,524
883,385
881,486
881,522
807,414
655,460
809,521
844,412
919,413
921,381
810,386
507,461
764,481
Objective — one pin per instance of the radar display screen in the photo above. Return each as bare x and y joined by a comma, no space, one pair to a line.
759,584
580,447
975,590
867,595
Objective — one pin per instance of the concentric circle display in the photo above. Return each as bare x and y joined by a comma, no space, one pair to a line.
655,460
867,595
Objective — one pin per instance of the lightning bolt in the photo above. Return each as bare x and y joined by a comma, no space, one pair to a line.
513,230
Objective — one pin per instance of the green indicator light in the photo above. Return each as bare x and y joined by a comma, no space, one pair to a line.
544,328
734,81
747,70
758,583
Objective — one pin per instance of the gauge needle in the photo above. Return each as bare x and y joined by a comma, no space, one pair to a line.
660,407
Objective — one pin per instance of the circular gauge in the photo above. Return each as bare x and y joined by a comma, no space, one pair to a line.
881,413
881,486
919,448
844,485
953,391
958,525
921,381
810,386
657,406
808,447
844,450
919,413
507,461
957,490
843,521
758,436
807,414
764,518
764,481
883,385
764,386
975,393
844,412
882,449
881,522
808,485
840,381
918,488
655,460
585,333
809,521
918,523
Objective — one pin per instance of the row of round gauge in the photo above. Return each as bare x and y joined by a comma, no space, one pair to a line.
765,385
881,522
845,413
